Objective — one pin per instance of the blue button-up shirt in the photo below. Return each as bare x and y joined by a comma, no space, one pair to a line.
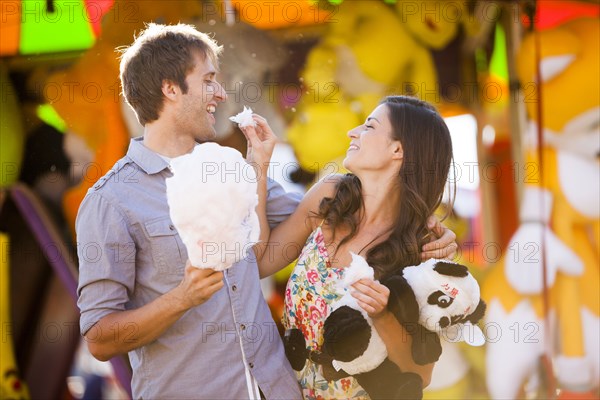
130,254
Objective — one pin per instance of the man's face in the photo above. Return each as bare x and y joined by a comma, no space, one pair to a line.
200,102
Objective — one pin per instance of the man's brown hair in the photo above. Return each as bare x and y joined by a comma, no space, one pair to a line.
159,53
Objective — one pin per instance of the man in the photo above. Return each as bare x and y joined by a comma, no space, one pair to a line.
190,333
187,337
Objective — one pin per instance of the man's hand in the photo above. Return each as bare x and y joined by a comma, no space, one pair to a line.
197,286
153,319
443,241
261,141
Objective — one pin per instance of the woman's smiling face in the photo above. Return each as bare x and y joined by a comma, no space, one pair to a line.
371,146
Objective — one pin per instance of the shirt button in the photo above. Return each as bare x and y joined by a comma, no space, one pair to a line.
251,365
171,227
243,326
234,288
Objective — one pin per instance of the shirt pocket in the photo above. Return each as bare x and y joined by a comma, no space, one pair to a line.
167,247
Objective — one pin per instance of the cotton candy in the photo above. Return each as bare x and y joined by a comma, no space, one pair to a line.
244,118
358,269
212,199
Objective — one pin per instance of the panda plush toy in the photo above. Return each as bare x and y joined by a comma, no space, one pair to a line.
434,298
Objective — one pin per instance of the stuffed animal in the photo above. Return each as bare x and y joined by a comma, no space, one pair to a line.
434,298
12,385
560,203
363,31
372,50
459,372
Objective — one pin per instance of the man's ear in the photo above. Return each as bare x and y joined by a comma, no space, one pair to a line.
170,89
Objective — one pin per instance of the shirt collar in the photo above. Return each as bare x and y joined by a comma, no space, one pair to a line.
147,159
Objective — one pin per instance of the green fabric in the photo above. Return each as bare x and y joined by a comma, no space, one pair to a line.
498,63
48,114
66,28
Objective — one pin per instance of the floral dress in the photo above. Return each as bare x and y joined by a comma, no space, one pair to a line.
310,292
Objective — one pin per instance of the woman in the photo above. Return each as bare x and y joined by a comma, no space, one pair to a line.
399,160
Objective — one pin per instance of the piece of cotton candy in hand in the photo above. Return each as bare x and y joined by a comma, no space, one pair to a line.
212,199
358,269
244,118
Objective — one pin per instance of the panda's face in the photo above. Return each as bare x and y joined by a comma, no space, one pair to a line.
440,310
445,292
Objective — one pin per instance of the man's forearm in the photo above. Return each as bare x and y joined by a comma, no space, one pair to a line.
123,331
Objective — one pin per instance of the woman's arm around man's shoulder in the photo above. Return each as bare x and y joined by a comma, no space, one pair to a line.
288,238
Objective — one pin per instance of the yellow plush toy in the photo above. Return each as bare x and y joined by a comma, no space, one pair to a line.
344,78
431,25
11,384
11,137
371,50
561,201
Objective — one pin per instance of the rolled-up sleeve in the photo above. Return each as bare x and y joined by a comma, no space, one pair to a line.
280,204
106,252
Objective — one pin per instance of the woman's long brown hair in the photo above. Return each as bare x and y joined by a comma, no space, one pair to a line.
427,155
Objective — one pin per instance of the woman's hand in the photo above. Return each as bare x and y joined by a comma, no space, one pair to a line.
261,142
443,241
372,297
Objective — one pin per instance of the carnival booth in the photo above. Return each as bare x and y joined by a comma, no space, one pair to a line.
516,81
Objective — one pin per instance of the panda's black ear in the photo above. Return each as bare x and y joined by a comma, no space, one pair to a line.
451,269
402,301
476,315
